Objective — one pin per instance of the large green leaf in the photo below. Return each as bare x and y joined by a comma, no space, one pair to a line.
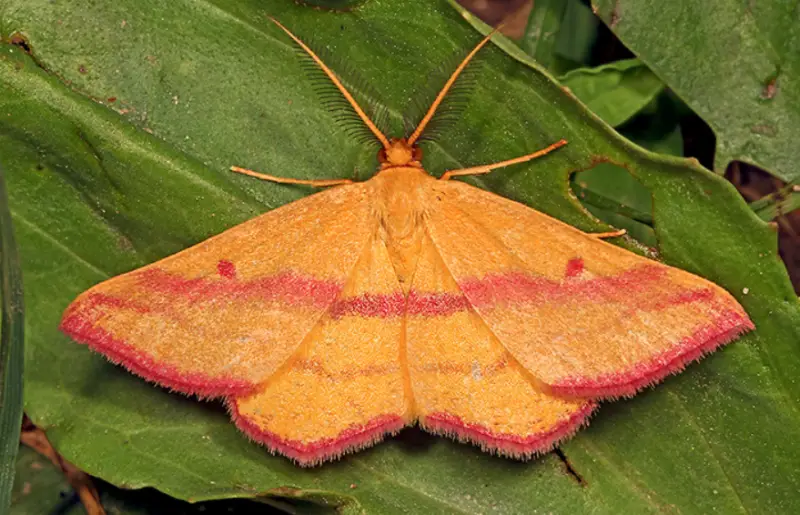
560,34
200,85
735,63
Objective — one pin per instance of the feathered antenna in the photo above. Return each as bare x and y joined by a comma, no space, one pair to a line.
451,107
348,97
338,105
447,86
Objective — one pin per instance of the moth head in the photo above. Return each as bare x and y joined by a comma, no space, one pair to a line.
399,153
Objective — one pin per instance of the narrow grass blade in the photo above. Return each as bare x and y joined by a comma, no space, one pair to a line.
11,350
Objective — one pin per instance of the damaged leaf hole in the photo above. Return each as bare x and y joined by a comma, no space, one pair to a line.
20,41
770,89
611,194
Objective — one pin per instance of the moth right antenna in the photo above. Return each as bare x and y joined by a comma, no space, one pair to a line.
447,85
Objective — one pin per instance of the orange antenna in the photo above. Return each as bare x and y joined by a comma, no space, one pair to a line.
447,85
360,112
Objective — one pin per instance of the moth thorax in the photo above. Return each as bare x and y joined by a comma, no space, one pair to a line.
399,153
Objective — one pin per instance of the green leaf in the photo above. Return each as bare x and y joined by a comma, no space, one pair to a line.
541,33
199,86
560,34
616,91
12,329
734,63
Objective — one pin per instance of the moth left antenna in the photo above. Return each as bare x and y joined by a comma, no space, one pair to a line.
332,76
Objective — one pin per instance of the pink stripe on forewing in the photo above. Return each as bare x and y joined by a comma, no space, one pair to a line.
289,287
518,287
490,291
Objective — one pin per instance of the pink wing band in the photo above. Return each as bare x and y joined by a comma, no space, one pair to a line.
313,453
507,444
724,329
117,351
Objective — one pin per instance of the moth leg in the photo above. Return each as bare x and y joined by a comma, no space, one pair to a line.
478,170
610,234
318,183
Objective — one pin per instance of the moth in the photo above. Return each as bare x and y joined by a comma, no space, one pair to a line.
343,317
